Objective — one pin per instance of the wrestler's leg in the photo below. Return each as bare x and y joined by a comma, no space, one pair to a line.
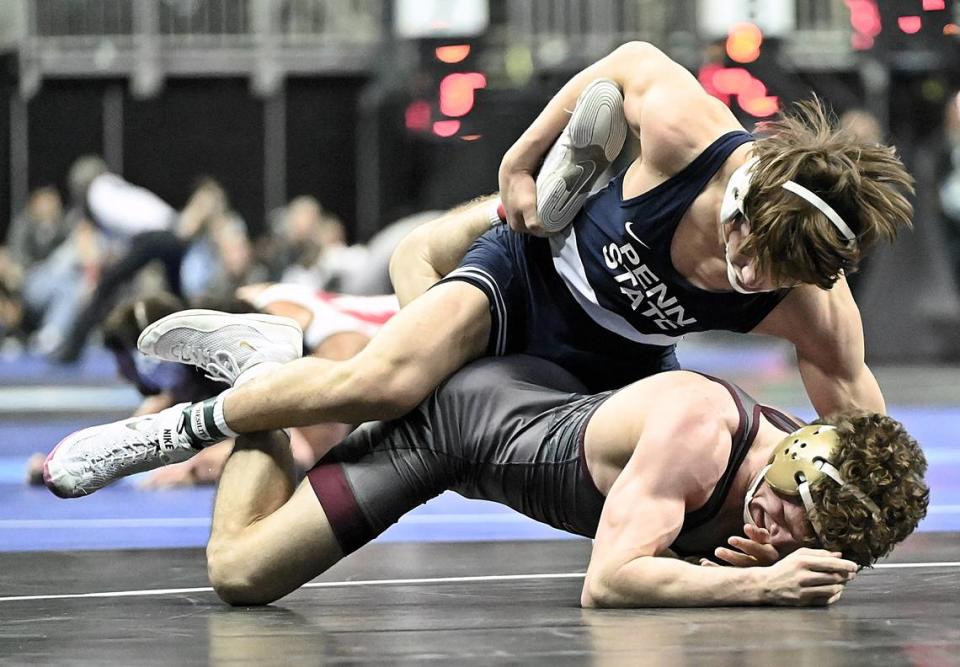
415,351
267,539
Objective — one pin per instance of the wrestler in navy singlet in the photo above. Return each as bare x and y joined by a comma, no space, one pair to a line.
603,298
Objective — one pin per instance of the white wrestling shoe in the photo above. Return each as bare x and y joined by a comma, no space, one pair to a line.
88,460
224,345
591,141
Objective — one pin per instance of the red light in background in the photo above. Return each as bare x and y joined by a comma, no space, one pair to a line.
706,76
446,128
951,29
731,80
934,5
471,137
457,92
743,43
722,82
761,107
453,53
909,24
866,22
861,42
417,116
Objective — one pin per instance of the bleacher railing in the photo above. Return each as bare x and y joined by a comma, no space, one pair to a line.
267,39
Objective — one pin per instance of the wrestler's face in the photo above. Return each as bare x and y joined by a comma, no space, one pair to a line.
742,272
784,517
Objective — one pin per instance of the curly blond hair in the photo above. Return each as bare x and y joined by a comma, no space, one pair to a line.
865,183
877,456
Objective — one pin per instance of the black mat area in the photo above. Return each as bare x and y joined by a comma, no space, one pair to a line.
907,614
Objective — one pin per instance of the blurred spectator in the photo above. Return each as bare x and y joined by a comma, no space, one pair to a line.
307,246
235,263
34,236
38,230
149,227
294,241
11,307
863,125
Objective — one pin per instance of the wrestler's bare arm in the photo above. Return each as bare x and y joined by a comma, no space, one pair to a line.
643,515
827,332
663,103
436,248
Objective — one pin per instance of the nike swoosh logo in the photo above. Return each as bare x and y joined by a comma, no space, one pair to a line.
585,172
628,228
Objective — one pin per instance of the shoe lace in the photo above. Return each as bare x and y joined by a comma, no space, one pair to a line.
219,366
122,454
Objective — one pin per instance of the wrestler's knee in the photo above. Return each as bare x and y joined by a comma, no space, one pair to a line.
235,575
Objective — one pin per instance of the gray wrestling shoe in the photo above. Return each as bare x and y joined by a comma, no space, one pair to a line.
90,459
224,345
591,141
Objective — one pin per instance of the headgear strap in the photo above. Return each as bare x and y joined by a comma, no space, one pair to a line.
739,185
825,208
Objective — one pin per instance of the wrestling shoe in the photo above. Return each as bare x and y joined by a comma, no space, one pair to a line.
591,141
224,345
88,460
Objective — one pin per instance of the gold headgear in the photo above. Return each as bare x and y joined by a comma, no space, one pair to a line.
800,462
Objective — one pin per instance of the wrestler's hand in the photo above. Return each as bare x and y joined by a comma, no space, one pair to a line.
518,194
750,551
807,577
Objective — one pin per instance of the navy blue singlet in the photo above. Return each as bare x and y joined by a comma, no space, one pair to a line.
616,262
602,299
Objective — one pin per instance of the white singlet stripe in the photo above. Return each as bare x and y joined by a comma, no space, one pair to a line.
566,260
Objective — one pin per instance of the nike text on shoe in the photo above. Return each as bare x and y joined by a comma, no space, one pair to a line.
222,344
88,460
591,141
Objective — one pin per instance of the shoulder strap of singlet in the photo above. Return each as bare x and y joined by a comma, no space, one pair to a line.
781,420
750,412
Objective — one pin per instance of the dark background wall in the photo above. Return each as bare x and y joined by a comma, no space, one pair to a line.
64,121
215,127
193,128
7,86
198,128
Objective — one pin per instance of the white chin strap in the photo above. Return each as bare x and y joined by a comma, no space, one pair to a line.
804,488
751,492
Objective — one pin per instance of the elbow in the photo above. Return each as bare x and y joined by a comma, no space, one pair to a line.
411,269
588,596
404,256
597,592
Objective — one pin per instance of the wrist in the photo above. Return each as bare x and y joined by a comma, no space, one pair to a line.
756,584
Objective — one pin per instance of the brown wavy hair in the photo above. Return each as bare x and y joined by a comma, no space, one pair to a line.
865,183
877,456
